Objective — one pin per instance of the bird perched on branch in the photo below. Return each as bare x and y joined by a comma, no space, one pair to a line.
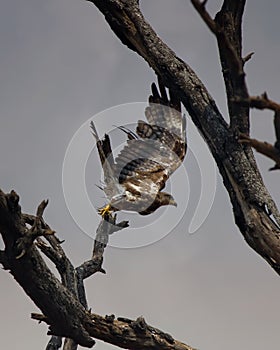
135,179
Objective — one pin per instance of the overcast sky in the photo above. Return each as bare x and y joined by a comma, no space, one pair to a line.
60,65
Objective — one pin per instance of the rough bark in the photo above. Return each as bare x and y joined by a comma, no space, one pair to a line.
63,303
67,316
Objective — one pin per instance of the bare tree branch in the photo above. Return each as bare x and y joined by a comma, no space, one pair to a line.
264,148
128,334
38,229
227,29
263,102
64,266
90,267
200,7
64,304
61,310
235,162
247,57
66,314
229,18
105,228
259,102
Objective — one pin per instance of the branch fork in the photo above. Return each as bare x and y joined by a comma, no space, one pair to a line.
39,228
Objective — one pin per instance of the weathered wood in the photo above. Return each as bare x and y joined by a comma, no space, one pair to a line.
67,316
58,301
128,334
63,303
236,164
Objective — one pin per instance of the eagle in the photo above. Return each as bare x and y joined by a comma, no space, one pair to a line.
134,180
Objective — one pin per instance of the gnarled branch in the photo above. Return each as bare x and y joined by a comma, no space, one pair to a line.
235,162
263,102
264,148
128,334
62,311
227,29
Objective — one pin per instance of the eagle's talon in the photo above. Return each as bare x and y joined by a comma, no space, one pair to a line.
105,210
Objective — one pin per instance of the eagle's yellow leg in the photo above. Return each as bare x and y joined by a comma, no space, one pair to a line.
105,210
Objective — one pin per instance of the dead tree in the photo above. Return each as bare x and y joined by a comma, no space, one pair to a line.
63,303
253,207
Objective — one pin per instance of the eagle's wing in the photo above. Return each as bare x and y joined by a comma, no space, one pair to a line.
165,122
144,160
112,186
104,151
166,113
151,156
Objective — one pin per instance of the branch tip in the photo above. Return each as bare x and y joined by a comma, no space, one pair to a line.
247,57
264,96
41,208
201,9
39,317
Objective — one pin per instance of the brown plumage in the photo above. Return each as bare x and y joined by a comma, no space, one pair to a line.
135,179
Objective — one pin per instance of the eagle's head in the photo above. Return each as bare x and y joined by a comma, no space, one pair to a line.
162,198
166,199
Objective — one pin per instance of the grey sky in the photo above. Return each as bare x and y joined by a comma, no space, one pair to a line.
59,65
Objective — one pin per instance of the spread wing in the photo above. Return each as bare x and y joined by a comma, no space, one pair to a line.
146,161
112,187
158,147
166,113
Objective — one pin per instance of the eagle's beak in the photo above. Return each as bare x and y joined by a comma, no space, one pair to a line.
172,202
